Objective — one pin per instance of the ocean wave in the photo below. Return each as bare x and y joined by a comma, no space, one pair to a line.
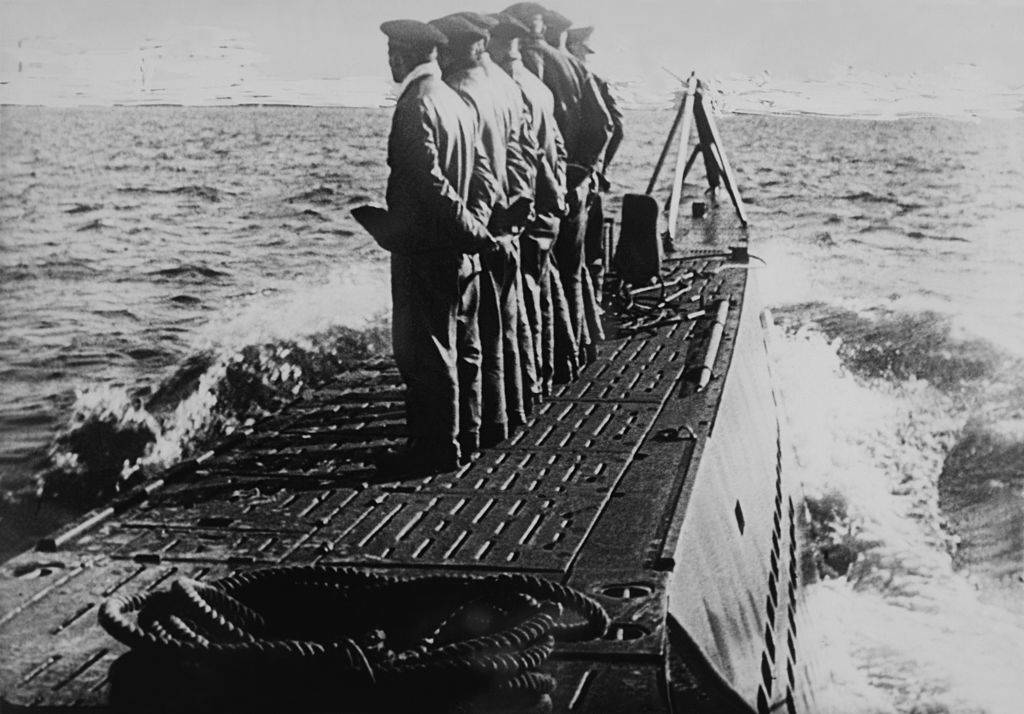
897,627
146,353
253,363
117,314
869,197
320,195
83,208
94,225
54,269
208,193
113,431
313,213
918,235
190,271
186,300
884,343
981,490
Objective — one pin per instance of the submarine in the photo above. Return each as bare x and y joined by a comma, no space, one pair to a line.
643,520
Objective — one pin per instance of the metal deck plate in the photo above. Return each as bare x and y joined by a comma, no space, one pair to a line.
638,369
586,426
301,489
531,472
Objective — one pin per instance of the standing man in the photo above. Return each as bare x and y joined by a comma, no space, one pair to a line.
545,298
586,127
501,125
576,43
430,229
523,181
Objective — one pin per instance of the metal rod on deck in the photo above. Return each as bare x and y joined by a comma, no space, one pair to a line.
668,142
726,170
684,143
713,344
693,157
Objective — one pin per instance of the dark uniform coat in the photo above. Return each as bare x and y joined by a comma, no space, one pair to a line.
550,157
546,305
608,97
593,243
586,127
437,177
581,115
501,113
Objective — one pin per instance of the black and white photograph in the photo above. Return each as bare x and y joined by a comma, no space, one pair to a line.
580,356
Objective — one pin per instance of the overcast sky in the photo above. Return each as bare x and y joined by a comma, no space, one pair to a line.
90,51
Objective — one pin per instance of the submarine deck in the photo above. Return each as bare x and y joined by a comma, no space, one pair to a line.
587,493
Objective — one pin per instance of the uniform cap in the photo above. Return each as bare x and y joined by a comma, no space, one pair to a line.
523,11
508,27
484,22
556,21
413,33
580,36
458,29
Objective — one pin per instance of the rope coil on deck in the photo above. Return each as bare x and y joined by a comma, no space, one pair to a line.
372,630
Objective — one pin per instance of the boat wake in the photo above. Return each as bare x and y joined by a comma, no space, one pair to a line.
907,444
245,366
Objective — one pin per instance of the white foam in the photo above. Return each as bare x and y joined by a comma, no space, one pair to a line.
355,297
902,631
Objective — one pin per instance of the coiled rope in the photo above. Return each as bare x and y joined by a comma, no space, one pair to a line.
372,630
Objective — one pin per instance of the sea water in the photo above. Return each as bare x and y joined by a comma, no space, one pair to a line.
169,273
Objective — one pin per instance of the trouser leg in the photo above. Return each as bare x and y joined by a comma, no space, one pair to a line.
514,404
469,356
566,346
535,259
547,319
593,243
592,312
494,420
527,352
568,253
425,296
531,258
593,253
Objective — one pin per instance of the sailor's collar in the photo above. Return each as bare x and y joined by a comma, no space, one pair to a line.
428,69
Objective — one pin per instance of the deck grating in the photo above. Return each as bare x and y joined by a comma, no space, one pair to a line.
302,489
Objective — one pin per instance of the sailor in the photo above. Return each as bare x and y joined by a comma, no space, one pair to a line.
545,302
586,127
513,97
577,43
557,26
500,131
437,177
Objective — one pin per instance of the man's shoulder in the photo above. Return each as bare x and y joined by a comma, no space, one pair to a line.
429,94
499,76
555,60
532,86
425,89
469,80
510,89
